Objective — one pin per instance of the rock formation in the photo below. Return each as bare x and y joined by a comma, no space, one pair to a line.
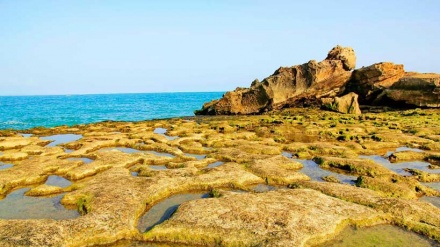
345,104
414,89
315,83
369,82
289,86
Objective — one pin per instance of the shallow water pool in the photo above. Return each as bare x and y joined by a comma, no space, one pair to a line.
261,188
215,164
60,139
316,173
162,131
54,180
122,149
434,200
164,210
197,156
400,166
158,168
161,154
401,149
18,206
84,160
434,185
4,166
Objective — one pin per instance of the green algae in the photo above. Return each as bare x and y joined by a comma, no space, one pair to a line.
380,235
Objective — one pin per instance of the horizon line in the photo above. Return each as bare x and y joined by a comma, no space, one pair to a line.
81,94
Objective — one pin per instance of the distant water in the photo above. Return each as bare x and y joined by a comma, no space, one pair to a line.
23,112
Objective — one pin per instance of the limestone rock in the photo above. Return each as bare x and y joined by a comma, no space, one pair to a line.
414,89
345,104
299,217
368,82
288,86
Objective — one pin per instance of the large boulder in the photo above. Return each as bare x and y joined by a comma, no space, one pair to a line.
345,104
414,89
369,82
289,86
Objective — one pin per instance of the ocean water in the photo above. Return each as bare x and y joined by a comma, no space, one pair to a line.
23,112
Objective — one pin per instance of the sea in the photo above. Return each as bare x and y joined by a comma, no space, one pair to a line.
24,112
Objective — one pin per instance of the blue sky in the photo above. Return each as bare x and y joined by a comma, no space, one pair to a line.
90,46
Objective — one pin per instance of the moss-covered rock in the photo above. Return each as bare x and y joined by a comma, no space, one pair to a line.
353,166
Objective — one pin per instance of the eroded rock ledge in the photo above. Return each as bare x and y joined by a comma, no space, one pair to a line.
318,83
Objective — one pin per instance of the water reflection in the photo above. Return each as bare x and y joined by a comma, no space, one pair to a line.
164,209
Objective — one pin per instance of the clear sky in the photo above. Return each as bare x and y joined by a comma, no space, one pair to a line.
91,46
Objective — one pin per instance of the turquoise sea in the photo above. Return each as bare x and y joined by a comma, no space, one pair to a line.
23,112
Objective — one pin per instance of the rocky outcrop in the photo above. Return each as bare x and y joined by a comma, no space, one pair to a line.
289,86
322,83
369,82
414,89
241,101
345,104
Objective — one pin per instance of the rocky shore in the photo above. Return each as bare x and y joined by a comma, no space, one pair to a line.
272,170
333,84
320,172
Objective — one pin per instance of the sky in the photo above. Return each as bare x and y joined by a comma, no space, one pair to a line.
90,47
